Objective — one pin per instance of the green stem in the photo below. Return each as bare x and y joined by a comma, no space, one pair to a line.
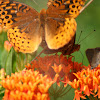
66,92
92,98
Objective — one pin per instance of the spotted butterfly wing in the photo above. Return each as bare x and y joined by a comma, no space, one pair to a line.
61,26
68,49
61,38
93,56
58,32
22,23
64,8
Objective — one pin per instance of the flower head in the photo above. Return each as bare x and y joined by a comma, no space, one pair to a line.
7,45
87,83
26,85
57,67
2,75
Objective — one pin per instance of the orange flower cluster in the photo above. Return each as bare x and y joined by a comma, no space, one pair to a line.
30,85
57,67
7,45
26,85
88,83
2,75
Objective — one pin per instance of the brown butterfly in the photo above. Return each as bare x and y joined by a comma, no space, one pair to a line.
27,28
93,56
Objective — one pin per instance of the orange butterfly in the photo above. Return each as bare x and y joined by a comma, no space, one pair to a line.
27,28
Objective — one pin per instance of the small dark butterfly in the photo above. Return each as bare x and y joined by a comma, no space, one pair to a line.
93,56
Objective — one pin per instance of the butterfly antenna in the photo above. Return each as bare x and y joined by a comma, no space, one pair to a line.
86,6
35,2
82,56
79,37
87,36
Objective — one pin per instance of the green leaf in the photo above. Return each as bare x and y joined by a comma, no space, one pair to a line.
2,91
9,62
3,60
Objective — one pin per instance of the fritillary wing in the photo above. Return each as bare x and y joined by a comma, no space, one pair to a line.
68,49
49,2
64,8
59,32
22,24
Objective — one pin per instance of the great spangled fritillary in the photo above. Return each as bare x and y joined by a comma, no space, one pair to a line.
27,28
93,56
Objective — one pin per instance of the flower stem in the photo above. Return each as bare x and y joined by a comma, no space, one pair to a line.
92,98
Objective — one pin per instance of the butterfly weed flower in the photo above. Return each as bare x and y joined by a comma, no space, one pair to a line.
55,64
59,68
26,85
7,46
56,69
96,81
87,84
2,75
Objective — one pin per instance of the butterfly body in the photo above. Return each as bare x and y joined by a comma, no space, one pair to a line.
27,28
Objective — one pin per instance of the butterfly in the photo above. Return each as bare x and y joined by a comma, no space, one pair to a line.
27,29
93,56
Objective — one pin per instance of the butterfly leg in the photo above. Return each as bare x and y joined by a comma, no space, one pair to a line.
26,59
39,54
73,60
82,56
86,6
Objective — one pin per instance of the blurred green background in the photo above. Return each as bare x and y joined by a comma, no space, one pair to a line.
87,22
